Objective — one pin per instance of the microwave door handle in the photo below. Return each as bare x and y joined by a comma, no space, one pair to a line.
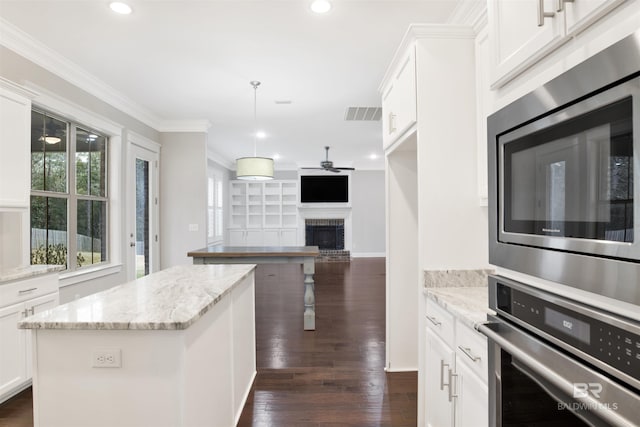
550,376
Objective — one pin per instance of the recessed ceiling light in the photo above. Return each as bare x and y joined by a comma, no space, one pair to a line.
276,156
121,8
320,6
260,134
373,156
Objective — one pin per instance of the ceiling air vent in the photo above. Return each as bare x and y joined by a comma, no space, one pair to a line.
367,114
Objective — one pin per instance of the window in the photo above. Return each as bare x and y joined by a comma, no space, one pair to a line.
68,198
215,207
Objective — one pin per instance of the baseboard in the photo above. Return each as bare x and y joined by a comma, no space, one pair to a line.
368,254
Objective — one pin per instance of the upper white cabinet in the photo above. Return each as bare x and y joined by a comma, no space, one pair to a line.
15,130
399,98
524,31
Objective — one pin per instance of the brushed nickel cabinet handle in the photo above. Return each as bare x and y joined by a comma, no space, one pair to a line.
467,352
27,291
561,3
442,365
435,321
542,14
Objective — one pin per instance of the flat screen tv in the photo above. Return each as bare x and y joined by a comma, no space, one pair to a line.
324,189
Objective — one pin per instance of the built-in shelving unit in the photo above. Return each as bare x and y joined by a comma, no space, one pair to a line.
263,213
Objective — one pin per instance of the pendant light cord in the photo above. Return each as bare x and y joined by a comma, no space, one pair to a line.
255,85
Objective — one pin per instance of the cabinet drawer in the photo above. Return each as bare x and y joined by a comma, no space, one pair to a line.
23,290
471,348
440,321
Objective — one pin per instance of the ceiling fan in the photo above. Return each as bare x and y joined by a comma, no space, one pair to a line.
327,164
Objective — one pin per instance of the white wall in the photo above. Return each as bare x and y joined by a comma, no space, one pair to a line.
183,196
367,201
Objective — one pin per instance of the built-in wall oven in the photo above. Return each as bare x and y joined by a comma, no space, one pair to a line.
557,362
564,177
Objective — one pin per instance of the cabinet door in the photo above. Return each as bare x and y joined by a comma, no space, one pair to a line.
15,168
472,403
254,238
237,238
399,99
33,306
438,365
582,13
518,41
13,367
289,237
271,237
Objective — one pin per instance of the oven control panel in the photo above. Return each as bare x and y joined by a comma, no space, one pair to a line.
618,347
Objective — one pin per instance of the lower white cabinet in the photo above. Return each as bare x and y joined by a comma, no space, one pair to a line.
456,391
19,300
263,237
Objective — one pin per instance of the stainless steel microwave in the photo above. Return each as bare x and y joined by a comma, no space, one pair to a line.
564,177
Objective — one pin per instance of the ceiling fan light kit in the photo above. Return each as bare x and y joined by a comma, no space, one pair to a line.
254,168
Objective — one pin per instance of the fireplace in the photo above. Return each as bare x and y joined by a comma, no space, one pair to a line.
328,235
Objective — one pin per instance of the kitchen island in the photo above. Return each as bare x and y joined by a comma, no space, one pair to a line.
305,255
175,348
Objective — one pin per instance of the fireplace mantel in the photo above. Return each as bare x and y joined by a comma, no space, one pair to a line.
343,213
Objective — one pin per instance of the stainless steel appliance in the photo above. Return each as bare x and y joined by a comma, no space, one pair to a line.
564,175
556,362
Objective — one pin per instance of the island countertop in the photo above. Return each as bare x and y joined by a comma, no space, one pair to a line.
174,298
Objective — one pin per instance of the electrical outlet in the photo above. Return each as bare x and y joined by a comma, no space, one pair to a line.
106,358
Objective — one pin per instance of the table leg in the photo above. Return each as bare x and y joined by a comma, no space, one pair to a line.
309,295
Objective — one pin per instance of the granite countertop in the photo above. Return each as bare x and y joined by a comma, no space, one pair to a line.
469,304
174,298
463,293
19,273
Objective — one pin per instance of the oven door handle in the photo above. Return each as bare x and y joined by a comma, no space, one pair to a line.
547,373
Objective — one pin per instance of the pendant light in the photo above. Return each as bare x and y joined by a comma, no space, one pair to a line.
254,168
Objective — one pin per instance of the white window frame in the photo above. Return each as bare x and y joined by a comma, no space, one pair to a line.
63,108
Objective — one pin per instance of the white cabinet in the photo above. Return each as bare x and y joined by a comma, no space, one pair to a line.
13,362
438,377
263,213
17,301
15,146
399,99
456,370
484,102
526,30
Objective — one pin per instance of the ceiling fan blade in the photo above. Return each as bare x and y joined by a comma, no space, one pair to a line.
336,170
312,168
346,169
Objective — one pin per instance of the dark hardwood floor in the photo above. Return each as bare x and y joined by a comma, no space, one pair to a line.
333,376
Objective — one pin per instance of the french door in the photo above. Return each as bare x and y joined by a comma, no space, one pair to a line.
143,225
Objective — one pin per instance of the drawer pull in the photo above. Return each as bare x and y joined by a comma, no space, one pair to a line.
26,291
452,394
434,320
561,4
467,352
25,313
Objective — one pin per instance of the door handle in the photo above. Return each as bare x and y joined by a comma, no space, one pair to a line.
442,365
542,14
451,377
132,244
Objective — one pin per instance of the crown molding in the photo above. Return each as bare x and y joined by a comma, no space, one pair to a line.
184,126
417,32
35,51
16,88
472,13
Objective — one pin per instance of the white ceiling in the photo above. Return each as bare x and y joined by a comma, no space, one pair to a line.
188,60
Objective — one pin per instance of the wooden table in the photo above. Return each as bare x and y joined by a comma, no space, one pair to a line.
304,255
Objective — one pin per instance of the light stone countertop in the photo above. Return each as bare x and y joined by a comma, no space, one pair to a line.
174,298
470,305
463,293
26,272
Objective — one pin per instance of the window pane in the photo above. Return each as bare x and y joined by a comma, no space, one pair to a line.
48,153
91,151
91,238
48,230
